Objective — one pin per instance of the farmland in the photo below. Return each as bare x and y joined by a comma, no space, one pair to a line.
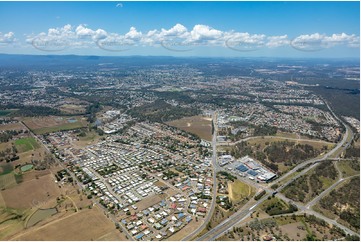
197,125
51,124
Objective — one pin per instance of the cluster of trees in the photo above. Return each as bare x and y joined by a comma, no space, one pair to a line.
262,224
91,111
170,174
227,175
264,130
61,174
9,154
311,184
352,152
108,169
161,111
289,153
36,111
347,195
279,207
43,164
243,149
7,135
227,203
298,189
259,195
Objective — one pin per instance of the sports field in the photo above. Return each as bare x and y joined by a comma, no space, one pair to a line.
26,144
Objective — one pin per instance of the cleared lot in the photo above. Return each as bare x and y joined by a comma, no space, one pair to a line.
199,125
87,224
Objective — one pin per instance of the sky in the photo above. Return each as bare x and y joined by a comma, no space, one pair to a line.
225,29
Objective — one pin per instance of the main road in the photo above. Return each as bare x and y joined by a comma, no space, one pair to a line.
214,188
245,212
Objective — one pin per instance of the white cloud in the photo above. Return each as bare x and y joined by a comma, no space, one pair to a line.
133,34
7,38
119,5
320,41
86,37
277,41
204,32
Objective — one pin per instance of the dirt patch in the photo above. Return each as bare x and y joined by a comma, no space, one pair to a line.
199,125
189,228
149,201
30,175
293,231
32,193
88,224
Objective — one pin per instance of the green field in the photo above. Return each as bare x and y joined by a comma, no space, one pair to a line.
5,112
63,127
26,144
26,168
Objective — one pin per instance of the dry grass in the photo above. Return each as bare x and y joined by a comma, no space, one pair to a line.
149,201
7,181
189,228
50,124
88,224
72,109
15,126
35,192
199,125
238,190
292,231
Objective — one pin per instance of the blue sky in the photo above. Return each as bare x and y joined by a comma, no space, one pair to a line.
277,29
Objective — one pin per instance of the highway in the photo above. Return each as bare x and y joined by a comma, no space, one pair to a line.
225,143
214,188
241,215
228,223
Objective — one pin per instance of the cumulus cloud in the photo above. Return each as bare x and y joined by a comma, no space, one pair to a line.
277,41
318,41
204,32
84,36
7,38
